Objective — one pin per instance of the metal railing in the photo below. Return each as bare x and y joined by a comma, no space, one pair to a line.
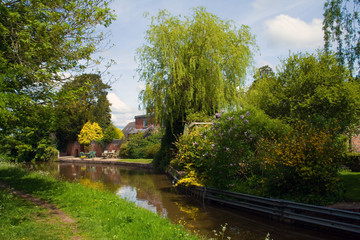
282,210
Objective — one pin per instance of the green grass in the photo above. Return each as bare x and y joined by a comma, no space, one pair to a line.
99,214
140,160
20,219
351,181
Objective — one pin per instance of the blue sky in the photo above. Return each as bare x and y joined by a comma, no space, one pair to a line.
280,27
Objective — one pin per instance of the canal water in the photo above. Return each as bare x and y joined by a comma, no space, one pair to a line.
155,192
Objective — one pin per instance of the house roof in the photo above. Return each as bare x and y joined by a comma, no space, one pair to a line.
128,128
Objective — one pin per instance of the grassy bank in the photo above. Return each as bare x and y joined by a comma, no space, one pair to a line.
351,181
99,214
20,219
139,160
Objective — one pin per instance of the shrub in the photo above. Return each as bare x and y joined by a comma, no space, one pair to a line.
46,152
111,133
151,150
303,164
141,145
225,153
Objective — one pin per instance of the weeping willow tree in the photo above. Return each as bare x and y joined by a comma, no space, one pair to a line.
191,64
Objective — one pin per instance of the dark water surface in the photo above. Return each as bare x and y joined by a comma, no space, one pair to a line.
155,193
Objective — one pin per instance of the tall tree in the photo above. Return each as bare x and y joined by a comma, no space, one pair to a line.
341,26
81,100
310,87
40,40
191,64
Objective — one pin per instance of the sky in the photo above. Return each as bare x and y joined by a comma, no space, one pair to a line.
281,27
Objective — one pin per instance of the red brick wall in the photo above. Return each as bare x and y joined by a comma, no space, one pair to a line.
74,148
139,123
356,143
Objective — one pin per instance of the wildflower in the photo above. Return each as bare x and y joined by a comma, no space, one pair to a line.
246,121
195,144
245,133
217,115
212,146
242,116
247,113
227,149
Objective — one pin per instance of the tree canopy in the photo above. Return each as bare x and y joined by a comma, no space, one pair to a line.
341,26
80,100
39,41
192,64
312,87
111,133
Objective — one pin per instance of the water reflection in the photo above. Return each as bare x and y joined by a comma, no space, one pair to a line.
155,193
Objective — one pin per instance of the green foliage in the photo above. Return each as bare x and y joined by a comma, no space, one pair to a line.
309,87
139,146
341,26
198,117
90,132
191,64
111,133
303,165
20,140
224,154
46,152
40,40
80,100
352,161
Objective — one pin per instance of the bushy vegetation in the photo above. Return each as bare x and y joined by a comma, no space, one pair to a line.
52,37
290,145
229,147
111,133
248,151
142,145
303,165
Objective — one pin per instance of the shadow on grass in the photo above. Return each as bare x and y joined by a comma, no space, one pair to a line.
351,182
25,181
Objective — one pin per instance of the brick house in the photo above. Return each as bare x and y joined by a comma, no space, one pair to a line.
142,122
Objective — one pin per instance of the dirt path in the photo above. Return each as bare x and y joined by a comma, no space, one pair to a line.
56,216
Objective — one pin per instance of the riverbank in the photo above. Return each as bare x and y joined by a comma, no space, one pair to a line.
99,214
110,161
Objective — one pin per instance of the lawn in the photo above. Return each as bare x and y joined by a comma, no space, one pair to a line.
21,219
99,214
140,160
351,181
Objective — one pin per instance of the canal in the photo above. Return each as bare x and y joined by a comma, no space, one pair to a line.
154,192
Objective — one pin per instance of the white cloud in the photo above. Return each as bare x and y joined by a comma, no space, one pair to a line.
121,113
286,31
117,105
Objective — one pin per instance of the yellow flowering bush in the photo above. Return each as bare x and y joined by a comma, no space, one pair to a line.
304,163
89,132
193,147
